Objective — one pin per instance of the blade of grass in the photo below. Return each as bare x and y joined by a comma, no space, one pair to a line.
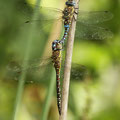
67,69
23,75
51,89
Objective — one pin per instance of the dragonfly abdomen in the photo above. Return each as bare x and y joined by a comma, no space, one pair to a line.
58,89
67,16
67,26
56,56
57,65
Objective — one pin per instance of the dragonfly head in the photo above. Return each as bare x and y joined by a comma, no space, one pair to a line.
70,3
56,45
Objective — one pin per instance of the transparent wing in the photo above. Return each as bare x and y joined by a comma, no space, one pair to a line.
78,72
42,68
91,32
94,17
35,67
45,18
45,13
32,64
88,17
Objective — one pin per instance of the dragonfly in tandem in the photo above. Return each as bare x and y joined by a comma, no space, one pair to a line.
87,27
36,69
87,20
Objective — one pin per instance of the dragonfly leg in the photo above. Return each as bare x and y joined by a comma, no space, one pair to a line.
76,8
74,18
76,13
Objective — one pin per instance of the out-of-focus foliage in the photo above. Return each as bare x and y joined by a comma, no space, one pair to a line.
96,97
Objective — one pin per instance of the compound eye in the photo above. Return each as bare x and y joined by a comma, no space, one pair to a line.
53,45
70,3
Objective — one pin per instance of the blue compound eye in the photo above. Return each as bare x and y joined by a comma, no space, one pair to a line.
53,44
56,45
70,3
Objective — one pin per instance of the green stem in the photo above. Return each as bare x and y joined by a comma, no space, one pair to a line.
50,92
25,64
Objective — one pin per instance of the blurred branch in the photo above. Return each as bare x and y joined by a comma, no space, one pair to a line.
67,69
30,34
46,106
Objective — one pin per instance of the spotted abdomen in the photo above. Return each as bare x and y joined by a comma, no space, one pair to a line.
58,89
56,57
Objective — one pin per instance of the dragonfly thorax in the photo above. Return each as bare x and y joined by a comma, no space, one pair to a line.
68,13
56,45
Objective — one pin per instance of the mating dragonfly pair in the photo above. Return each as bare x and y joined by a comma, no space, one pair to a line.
68,15
85,30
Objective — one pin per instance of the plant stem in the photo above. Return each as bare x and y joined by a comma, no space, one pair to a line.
25,64
67,69
47,103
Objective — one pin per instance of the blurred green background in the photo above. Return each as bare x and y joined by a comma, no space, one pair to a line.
95,96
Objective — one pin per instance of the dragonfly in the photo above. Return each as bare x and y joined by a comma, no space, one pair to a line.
87,27
37,66
66,16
